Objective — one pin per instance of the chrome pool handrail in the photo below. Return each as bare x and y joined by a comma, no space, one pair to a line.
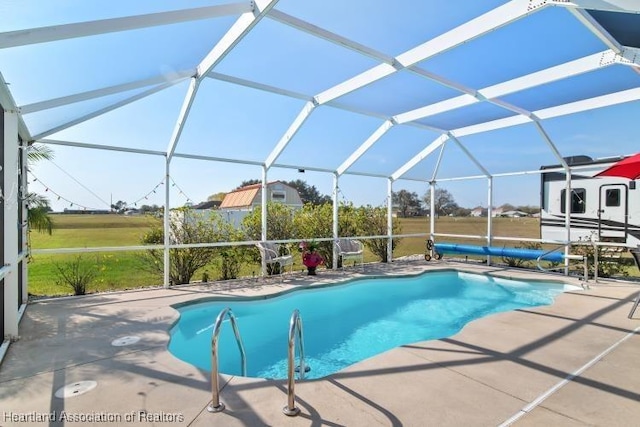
295,325
569,257
216,405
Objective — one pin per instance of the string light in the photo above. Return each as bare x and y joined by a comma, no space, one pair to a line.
47,189
146,196
182,193
59,197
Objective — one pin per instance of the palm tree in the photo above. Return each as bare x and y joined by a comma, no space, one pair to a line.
38,206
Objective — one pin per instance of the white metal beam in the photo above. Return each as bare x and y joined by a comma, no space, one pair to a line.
182,117
259,86
102,111
290,133
490,21
91,28
10,205
595,28
384,128
477,27
616,98
434,175
101,147
629,56
552,146
491,125
549,75
470,156
296,95
240,28
419,157
9,104
111,90
316,31
630,6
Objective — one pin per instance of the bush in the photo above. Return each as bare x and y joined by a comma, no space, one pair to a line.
185,227
519,262
607,266
372,221
76,274
280,226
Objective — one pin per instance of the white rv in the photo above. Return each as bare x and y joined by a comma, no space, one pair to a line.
606,207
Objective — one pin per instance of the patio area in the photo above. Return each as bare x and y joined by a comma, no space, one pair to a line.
504,368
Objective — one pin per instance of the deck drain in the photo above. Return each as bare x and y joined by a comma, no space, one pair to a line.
75,389
121,342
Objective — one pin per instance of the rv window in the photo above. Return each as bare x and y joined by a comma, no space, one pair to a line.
578,200
613,197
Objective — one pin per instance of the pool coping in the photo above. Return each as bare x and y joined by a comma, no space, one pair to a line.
470,378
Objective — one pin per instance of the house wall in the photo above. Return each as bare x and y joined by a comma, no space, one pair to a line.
279,192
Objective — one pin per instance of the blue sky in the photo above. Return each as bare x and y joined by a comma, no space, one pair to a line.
232,121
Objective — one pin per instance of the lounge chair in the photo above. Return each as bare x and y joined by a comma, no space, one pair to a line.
636,257
349,249
276,254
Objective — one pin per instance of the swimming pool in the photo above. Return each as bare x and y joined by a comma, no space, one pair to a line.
347,323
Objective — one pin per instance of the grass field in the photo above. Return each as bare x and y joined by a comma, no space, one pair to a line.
122,270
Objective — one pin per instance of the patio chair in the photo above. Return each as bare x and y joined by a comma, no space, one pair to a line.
276,254
636,257
349,249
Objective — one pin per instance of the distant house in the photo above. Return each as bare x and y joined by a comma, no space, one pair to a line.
249,197
513,214
497,212
479,211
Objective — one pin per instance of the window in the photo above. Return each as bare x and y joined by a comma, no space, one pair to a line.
612,197
279,196
578,200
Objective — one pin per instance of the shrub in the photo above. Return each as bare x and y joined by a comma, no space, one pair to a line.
76,274
519,262
607,266
185,227
372,221
280,226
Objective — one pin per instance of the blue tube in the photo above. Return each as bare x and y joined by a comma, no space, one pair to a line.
452,248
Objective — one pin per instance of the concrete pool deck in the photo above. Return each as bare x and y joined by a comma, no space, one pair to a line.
494,369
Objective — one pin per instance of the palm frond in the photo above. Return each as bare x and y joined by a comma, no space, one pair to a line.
40,220
37,152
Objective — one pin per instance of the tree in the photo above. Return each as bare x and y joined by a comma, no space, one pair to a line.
38,213
372,221
217,197
184,227
279,227
150,209
279,223
248,182
119,206
406,202
309,194
38,206
444,203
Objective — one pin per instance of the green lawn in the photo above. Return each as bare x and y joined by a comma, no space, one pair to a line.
122,270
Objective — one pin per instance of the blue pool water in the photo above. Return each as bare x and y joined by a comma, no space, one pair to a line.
347,323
